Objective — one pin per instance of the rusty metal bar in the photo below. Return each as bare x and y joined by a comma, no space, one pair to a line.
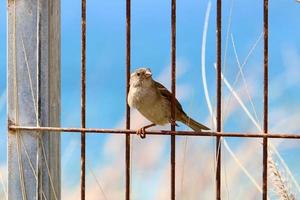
39,103
128,63
173,77
219,100
56,130
265,140
83,96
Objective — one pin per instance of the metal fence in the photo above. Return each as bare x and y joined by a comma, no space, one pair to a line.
172,133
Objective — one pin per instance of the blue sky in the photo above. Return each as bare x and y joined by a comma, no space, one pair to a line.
151,29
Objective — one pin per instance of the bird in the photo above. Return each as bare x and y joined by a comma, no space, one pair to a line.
153,101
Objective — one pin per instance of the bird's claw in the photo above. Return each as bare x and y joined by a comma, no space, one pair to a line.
141,132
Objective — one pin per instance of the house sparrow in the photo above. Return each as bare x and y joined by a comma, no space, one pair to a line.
153,101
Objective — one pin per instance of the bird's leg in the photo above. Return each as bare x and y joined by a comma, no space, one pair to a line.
142,131
173,122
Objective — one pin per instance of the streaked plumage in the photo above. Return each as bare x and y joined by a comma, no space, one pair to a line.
153,101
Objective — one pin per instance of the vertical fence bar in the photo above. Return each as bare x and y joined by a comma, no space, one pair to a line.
219,87
128,62
39,161
83,96
265,140
173,77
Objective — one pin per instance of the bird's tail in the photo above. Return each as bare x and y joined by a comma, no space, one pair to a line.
196,126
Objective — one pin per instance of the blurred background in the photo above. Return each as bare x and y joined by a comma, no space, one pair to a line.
151,28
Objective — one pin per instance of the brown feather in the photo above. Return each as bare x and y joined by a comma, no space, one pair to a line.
193,124
168,95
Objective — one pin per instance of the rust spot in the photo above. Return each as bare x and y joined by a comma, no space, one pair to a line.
9,124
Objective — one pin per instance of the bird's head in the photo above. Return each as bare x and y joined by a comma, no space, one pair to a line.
141,77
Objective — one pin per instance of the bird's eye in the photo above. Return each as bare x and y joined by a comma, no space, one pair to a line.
138,74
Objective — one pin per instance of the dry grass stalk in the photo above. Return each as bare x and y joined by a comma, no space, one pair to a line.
279,181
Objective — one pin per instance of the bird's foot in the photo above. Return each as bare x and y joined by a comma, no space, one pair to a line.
173,122
141,132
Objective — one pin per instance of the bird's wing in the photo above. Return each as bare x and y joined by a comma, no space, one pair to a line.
168,95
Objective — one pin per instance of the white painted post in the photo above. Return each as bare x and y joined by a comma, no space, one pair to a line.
33,81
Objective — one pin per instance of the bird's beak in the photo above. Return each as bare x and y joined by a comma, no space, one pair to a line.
148,74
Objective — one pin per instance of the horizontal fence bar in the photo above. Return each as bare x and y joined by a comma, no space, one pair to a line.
159,132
